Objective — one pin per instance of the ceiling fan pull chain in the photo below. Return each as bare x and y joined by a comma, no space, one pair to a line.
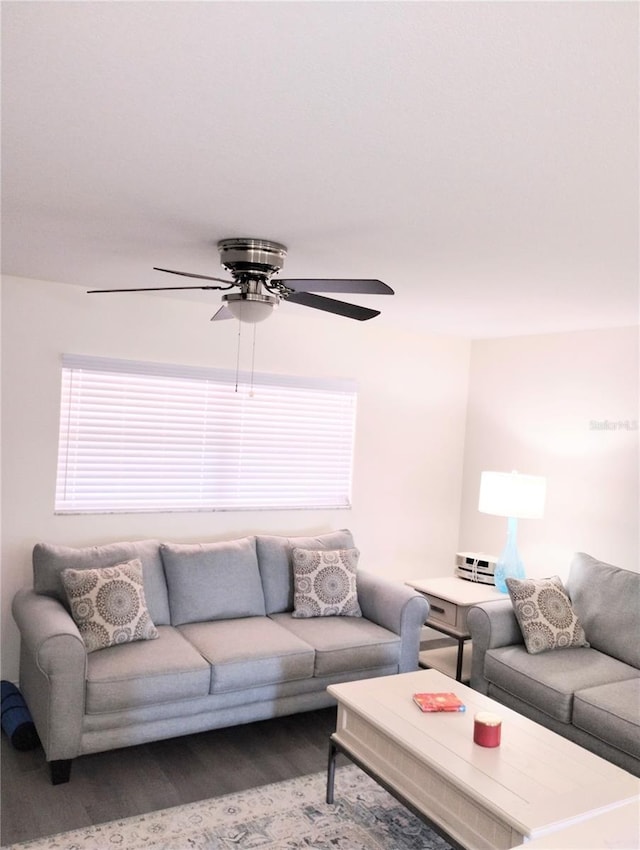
238,354
253,360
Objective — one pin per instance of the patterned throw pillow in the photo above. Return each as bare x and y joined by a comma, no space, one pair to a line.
325,583
108,605
544,613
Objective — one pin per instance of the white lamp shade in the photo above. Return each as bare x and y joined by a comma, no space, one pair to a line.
511,494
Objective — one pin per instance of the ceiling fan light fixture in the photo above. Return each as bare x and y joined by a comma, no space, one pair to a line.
251,307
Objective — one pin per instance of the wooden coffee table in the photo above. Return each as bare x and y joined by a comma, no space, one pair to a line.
534,784
617,829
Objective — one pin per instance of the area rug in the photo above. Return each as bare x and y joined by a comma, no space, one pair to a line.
288,815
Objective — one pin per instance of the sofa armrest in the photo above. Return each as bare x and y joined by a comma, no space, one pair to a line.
491,624
395,607
53,665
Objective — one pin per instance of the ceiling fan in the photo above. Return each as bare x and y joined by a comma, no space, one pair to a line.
252,264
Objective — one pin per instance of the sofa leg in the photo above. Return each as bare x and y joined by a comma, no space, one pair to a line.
60,771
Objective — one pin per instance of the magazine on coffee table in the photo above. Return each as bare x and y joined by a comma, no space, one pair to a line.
439,702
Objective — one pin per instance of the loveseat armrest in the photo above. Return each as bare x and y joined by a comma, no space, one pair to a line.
395,607
53,666
491,624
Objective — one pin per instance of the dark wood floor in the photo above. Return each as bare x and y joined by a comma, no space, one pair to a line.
135,780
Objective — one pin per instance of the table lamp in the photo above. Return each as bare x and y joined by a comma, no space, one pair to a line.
514,496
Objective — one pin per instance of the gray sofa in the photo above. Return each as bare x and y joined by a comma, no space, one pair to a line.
228,650
590,695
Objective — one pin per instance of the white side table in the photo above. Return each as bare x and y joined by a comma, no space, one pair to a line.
450,599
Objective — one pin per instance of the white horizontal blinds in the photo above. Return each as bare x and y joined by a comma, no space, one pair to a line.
150,437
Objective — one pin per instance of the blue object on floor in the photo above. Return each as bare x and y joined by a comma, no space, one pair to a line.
16,719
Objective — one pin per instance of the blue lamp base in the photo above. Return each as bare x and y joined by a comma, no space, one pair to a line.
509,564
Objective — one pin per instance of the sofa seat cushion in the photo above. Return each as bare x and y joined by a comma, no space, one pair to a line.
548,681
249,652
145,673
611,713
344,644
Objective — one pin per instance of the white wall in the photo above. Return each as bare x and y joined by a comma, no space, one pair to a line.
410,432
532,402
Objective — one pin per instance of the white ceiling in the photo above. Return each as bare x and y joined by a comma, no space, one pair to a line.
479,157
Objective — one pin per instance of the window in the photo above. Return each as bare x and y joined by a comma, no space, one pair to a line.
156,437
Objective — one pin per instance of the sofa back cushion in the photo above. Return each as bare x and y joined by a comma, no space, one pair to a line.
276,564
49,561
213,581
607,602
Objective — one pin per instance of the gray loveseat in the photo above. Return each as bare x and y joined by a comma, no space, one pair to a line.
228,650
590,695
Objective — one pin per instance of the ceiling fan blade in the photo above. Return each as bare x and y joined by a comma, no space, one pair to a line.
330,305
154,289
198,276
364,287
223,313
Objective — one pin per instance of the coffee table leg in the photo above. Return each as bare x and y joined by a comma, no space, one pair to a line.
335,748
331,770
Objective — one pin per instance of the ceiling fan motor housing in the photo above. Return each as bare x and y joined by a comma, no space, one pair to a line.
252,262
259,257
